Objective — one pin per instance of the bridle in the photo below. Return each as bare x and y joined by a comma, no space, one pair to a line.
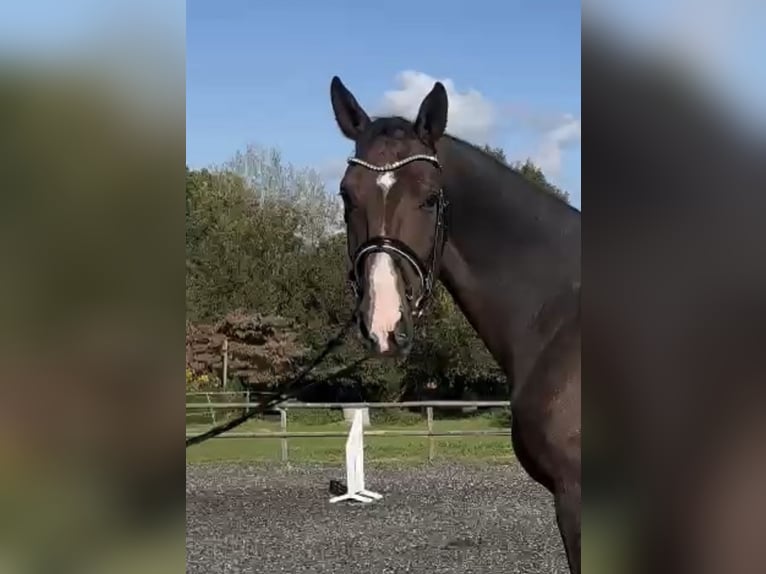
426,271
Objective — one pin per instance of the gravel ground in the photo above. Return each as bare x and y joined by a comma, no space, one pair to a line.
440,519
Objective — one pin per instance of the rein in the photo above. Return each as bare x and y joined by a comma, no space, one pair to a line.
284,393
426,271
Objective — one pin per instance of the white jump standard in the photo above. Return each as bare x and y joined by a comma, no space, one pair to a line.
355,464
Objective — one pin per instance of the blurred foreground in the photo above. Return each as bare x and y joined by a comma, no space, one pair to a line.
91,247
674,193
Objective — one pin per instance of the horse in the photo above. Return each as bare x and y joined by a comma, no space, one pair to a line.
421,205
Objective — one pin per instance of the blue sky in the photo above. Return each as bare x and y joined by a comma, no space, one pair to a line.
258,72
53,28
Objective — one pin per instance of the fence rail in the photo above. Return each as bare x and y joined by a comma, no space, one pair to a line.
284,434
383,405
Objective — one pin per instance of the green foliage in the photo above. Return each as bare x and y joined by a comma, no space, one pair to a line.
317,213
314,417
266,238
498,152
239,254
396,418
536,176
529,170
499,418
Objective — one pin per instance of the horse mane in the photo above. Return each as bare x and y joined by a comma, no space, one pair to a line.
398,127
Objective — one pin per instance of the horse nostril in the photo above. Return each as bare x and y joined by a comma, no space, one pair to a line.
401,337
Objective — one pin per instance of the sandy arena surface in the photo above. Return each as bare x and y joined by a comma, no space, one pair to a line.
444,518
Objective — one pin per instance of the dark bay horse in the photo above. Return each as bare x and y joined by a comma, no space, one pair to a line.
421,205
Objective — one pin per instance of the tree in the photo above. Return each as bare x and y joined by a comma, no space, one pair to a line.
497,152
534,174
320,214
529,170
239,253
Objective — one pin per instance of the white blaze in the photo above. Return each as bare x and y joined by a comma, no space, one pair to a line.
385,303
386,181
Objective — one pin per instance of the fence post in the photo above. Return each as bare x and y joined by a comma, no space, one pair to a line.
283,428
225,361
430,419
211,409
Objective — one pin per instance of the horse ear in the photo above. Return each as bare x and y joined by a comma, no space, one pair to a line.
352,119
432,116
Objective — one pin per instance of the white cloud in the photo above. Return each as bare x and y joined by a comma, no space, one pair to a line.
475,118
554,141
471,115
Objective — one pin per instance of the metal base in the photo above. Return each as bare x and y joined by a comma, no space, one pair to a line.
370,494
364,496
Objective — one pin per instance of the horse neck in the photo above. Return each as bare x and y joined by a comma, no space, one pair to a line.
511,254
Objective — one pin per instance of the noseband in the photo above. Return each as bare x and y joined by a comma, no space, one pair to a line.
381,244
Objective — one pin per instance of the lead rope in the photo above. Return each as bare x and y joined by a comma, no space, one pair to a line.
287,389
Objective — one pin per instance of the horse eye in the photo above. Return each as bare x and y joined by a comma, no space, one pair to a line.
431,201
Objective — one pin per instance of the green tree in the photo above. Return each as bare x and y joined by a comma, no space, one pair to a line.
529,170
497,152
239,253
319,214
536,176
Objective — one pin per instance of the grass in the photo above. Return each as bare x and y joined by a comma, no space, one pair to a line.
377,449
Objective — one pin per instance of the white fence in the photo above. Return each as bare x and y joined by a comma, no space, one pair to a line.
284,434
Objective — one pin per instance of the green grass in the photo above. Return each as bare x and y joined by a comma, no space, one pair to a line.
377,449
